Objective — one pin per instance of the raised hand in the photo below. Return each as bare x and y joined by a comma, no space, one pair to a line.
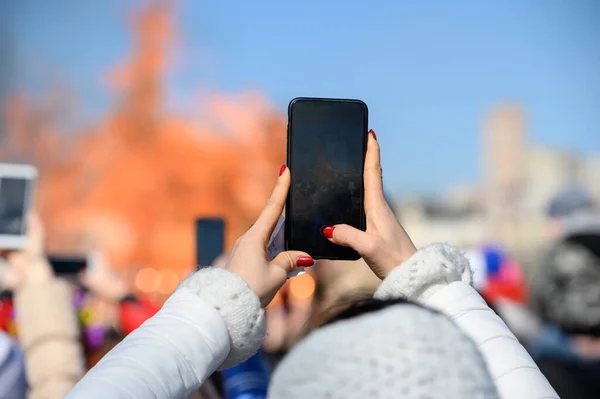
384,245
250,258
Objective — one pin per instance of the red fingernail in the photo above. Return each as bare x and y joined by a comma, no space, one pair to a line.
328,231
304,261
282,169
373,134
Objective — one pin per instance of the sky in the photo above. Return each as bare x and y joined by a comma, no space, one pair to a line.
429,71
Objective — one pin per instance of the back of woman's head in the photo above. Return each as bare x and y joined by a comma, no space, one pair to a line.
384,349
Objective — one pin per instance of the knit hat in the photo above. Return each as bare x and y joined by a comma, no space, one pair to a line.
401,351
567,290
12,369
569,201
582,224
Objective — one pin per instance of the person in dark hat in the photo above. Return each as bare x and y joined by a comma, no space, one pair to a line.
566,295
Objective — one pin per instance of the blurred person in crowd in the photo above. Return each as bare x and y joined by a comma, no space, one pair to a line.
440,340
566,295
126,311
7,323
47,327
13,384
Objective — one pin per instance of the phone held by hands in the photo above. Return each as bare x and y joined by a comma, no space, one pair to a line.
210,240
326,147
17,185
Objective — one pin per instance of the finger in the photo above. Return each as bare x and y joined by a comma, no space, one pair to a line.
348,236
372,174
268,218
34,225
35,234
290,260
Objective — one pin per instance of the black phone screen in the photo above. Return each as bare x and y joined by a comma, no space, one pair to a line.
13,192
67,265
326,152
210,234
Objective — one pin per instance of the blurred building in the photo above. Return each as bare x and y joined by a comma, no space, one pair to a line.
503,170
547,172
440,221
509,205
588,175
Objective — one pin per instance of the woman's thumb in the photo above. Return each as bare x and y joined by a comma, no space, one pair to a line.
290,260
348,236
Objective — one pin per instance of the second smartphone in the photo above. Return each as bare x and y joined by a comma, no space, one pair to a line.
326,147
210,240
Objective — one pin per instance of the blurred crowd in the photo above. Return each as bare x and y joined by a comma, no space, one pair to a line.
55,328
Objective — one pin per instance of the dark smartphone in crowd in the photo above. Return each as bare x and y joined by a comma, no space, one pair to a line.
210,237
65,265
326,147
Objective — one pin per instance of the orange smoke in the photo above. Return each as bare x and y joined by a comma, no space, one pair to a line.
133,184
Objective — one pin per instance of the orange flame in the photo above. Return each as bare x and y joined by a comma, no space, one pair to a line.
133,184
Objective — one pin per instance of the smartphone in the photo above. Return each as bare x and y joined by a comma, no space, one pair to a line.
67,265
326,147
210,237
17,184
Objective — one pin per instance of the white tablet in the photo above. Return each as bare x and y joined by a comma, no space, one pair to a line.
17,186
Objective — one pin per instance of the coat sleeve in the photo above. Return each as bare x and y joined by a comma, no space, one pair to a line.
439,277
49,335
212,320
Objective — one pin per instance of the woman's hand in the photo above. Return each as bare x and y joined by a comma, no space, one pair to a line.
385,244
250,259
30,263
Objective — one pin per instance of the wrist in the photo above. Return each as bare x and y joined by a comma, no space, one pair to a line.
38,271
425,272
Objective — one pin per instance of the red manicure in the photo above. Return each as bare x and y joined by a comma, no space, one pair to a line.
373,133
328,231
304,261
282,169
